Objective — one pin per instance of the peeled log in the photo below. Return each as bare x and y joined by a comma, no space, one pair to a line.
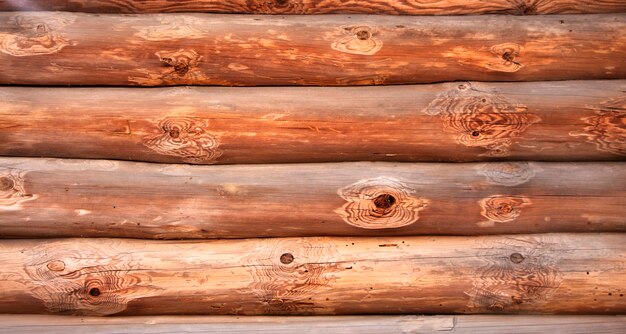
545,273
470,324
444,7
216,49
52,198
463,121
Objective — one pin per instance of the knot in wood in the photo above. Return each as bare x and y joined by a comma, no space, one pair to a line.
503,208
56,265
277,6
516,258
607,127
380,203
505,282
506,52
507,173
186,138
358,40
33,36
481,119
286,258
181,60
12,190
6,183
284,282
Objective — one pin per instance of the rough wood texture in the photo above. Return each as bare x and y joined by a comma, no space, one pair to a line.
463,121
546,273
470,324
406,7
216,49
42,198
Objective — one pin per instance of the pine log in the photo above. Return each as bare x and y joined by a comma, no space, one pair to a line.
459,324
463,121
543,273
64,198
219,49
402,7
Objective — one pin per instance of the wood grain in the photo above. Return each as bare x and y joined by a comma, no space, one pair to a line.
216,49
44,198
404,7
549,273
470,324
463,121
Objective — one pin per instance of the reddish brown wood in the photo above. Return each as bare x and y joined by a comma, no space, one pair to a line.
545,273
559,121
52,198
212,49
442,7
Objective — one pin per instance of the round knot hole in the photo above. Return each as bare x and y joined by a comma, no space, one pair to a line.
384,201
363,35
56,265
6,184
516,258
508,56
94,292
174,133
475,133
286,258
282,2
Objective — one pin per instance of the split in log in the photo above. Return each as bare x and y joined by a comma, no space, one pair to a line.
543,273
54,198
393,7
463,121
221,49
460,324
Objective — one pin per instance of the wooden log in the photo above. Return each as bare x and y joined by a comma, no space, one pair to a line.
405,7
215,49
459,324
550,121
53,198
545,273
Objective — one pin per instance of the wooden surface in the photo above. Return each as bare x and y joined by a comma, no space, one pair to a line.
214,49
445,7
471,324
43,198
545,273
463,121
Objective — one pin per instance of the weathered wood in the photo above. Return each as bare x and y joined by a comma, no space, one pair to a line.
43,198
405,7
544,273
566,121
216,49
470,324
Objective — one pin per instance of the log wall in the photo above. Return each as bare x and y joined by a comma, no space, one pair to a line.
43,198
465,121
213,49
547,273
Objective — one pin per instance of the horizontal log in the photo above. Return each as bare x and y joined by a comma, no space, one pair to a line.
467,121
444,7
470,324
219,49
546,273
53,198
